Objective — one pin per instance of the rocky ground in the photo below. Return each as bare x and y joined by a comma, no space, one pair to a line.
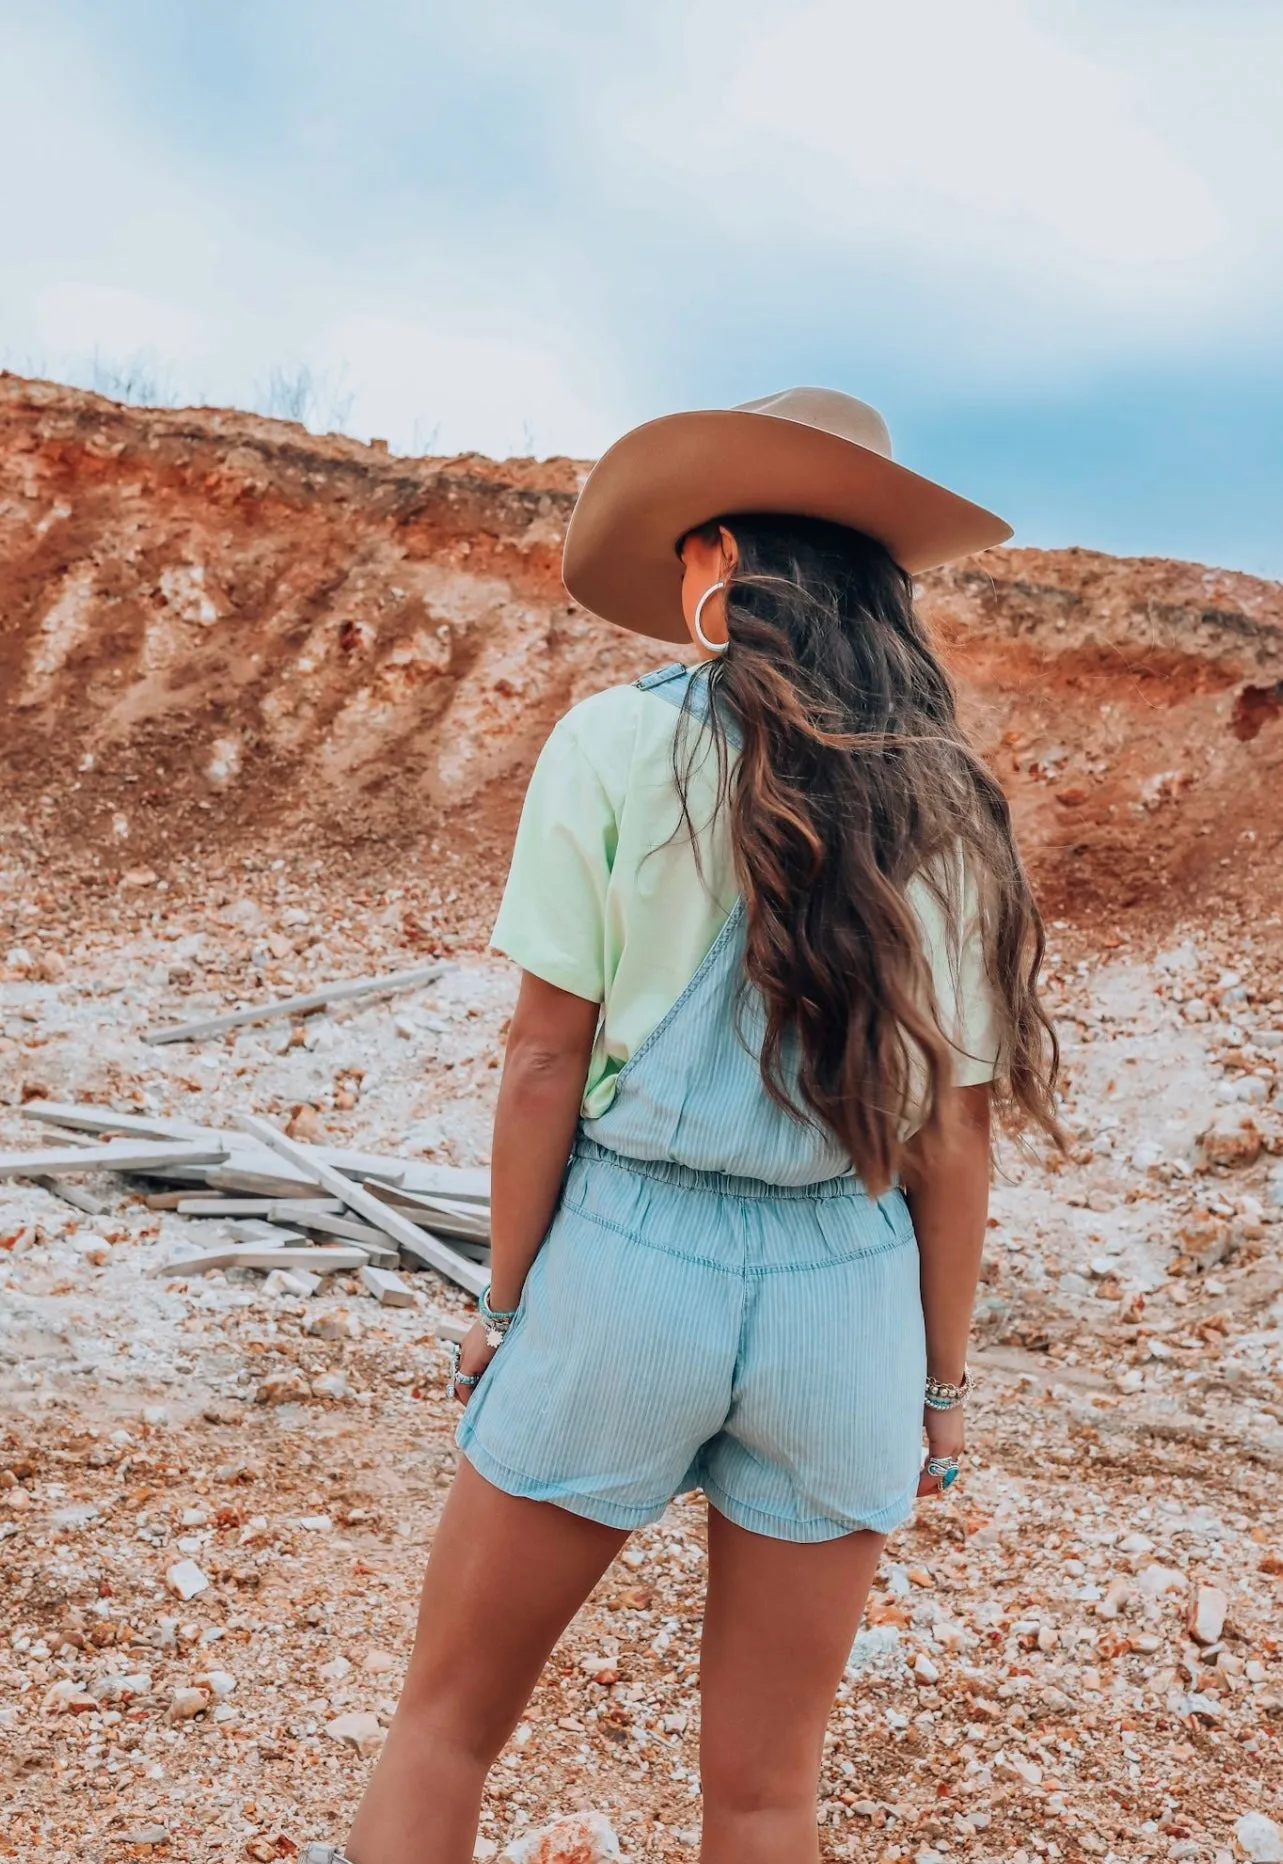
1079,1656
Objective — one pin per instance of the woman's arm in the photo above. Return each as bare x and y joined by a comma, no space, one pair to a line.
545,1066
544,1069
948,1191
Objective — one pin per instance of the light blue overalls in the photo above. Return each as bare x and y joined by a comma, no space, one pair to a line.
718,1303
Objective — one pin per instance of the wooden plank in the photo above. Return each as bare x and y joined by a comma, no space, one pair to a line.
221,1206
461,1185
460,1221
388,1289
198,1264
421,1244
320,1260
254,1256
126,1155
377,1242
341,992
85,1117
465,1184
267,1235
456,1183
260,1184
298,1281
73,1195
475,1252
448,1326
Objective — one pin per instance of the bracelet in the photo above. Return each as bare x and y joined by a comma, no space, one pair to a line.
942,1396
496,1321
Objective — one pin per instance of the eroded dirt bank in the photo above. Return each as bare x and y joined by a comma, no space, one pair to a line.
220,634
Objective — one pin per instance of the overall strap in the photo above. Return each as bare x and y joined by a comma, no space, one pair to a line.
675,681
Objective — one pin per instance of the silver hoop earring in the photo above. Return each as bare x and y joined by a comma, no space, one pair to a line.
714,647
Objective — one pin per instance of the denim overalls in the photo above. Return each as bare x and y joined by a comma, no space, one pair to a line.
718,1303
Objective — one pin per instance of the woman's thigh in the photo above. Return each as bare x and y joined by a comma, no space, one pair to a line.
778,1628
505,1577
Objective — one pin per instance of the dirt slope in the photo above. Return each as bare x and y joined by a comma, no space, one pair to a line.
221,634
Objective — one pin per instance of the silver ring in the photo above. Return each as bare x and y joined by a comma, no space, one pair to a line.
456,1377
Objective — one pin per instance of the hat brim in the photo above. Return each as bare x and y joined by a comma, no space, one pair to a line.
668,476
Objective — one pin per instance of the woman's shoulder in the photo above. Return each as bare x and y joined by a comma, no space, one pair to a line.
605,726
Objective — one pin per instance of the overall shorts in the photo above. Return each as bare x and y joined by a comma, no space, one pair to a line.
718,1303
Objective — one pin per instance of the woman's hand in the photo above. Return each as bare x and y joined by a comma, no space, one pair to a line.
475,1354
946,1436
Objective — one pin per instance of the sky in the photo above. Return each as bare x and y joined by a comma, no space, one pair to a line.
1044,237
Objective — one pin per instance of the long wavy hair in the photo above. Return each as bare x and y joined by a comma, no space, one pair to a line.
853,779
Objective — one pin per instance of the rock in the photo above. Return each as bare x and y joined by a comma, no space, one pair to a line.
1231,1138
304,1123
186,1703
924,1671
1259,1838
68,1698
77,1515
335,1670
1117,1596
335,1323
186,1579
594,1664
330,1385
1206,1619
145,1835
120,1687
1157,1580
581,1838
379,1662
95,1250
359,1730
219,1683
282,1388
877,1651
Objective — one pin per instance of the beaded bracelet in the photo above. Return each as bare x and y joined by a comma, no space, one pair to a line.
942,1396
496,1321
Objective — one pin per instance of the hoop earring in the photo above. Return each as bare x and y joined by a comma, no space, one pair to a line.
714,647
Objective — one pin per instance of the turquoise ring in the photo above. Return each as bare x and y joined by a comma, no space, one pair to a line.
946,1468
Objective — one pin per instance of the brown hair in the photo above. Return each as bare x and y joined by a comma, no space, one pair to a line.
854,776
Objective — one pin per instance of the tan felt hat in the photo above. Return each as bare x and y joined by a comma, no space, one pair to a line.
808,452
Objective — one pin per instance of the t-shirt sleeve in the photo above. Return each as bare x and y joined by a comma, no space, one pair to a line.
552,918
966,1001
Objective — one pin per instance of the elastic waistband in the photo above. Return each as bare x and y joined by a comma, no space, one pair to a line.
722,1184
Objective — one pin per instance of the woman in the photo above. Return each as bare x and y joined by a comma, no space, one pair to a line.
779,960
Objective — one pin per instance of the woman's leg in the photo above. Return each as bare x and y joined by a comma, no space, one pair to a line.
778,1628
505,1578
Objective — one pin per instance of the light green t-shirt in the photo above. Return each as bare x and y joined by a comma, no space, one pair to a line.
604,900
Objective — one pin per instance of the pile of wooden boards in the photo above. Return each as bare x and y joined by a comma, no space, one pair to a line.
302,1210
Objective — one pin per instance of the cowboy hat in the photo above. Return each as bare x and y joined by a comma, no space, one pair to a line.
808,452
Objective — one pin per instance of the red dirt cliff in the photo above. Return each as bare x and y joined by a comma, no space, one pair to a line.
222,633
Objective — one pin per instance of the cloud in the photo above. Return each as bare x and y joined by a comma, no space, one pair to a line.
967,150
483,391
493,224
